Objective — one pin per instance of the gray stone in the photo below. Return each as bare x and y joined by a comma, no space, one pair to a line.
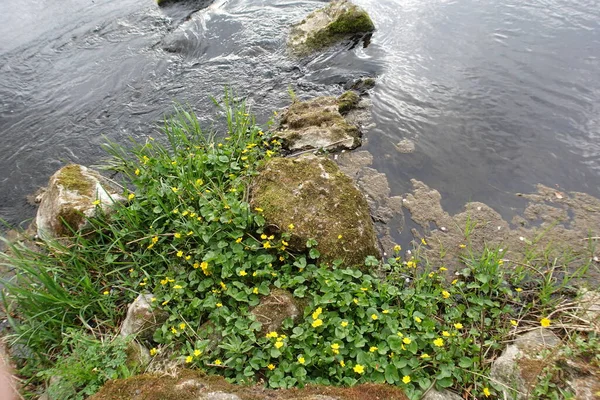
70,198
589,301
219,396
142,319
275,308
520,363
443,395
317,124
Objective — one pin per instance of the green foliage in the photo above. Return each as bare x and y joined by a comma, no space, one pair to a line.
85,365
188,236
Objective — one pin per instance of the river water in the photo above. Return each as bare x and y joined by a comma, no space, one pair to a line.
496,95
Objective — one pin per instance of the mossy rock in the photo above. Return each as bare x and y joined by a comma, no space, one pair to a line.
337,21
194,385
318,123
275,308
70,199
321,202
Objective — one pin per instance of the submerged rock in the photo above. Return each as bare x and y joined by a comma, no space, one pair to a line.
335,22
319,123
70,198
321,202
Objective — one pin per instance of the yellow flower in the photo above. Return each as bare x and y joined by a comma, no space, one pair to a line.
145,159
359,369
238,240
278,344
219,305
164,303
174,330
458,325
513,322
423,241
177,235
519,289
189,359
153,351
182,326
442,269
180,253
446,334
271,367
317,323
373,349
173,162
291,227
462,246
271,334
411,264
177,287
439,342
399,334
137,171
96,202
301,360
374,317
344,324
218,362
258,209
454,281
397,248
106,293
223,285
199,181
340,236
131,196
545,322
267,245
342,363
175,211
271,237
486,392
174,189
335,346
318,311
425,355
255,290
406,340
364,289
243,273
386,311
197,353
355,300
188,257
418,320
406,379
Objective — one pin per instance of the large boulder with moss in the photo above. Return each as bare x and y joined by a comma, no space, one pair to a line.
319,123
333,23
74,193
193,385
310,198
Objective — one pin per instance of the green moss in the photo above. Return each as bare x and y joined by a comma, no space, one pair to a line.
72,179
322,203
352,21
347,101
67,221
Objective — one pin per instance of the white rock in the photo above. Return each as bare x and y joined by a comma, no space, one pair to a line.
70,197
141,318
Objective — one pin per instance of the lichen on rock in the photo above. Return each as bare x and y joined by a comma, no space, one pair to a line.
319,123
275,308
335,22
69,200
321,202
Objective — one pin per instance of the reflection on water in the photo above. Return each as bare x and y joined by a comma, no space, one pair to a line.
497,96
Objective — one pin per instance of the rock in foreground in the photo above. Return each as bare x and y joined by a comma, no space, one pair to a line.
320,202
73,194
191,385
337,21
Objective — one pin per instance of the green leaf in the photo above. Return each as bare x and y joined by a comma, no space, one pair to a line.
391,374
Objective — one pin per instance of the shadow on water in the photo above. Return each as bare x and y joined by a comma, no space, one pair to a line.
497,96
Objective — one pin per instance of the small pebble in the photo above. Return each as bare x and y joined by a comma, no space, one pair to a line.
443,229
